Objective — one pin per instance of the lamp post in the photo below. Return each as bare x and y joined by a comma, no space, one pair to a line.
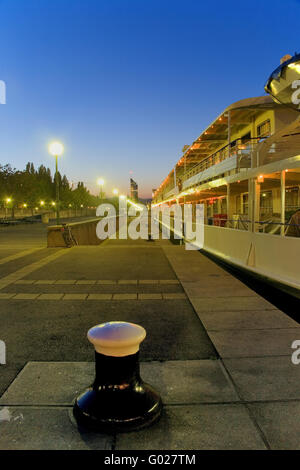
116,202
101,183
56,150
7,201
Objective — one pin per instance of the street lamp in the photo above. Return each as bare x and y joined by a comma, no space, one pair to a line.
115,192
56,150
7,200
101,183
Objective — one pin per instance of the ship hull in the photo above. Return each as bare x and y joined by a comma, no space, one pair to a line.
271,257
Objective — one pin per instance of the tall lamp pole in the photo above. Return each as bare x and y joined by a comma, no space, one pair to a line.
101,183
56,149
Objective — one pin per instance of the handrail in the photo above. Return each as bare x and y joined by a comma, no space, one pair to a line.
222,154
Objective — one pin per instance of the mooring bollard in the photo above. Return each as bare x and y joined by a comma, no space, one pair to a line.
118,400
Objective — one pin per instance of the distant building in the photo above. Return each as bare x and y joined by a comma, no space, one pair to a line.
133,190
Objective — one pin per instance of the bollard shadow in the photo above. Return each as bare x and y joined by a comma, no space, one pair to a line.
93,440
157,435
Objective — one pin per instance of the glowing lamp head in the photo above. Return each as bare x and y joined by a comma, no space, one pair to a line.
100,182
260,179
56,149
115,192
42,203
8,200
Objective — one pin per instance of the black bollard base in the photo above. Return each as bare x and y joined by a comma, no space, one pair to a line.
119,400
118,411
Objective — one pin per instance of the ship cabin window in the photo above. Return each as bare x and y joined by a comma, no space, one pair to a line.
292,198
245,203
223,205
242,204
264,129
266,203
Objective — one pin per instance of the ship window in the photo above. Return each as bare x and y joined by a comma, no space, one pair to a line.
266,203
245,203
264,129
291,198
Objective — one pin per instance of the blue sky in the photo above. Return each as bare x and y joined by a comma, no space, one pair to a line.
124,84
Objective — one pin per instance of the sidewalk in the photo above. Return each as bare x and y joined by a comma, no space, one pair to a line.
232,386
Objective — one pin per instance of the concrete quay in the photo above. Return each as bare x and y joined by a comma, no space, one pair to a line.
219,353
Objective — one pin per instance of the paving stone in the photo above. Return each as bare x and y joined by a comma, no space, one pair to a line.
50,297
24,281
49,383
24,296
150,296
106,282
254,343
124,296
8,372
247,319
129,281
33,428
99,297
65,281
148,281
175,295
265,378
234,304
6,295
45,281
209,427
279,422
169,281
58,383
75,296
85,282
218,291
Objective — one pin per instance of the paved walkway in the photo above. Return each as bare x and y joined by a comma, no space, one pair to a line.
219,354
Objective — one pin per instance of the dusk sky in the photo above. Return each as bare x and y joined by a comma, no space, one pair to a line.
125,84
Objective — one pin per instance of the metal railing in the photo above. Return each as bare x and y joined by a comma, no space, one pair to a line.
243,151
252,153
271,225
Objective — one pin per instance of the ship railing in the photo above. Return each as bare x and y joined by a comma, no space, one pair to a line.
280,146
244,150
270,226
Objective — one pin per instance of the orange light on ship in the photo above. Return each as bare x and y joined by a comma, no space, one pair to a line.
260,179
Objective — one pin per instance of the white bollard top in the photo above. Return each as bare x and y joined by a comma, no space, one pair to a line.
116,338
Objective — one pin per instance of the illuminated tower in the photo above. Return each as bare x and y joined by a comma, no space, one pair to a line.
133,190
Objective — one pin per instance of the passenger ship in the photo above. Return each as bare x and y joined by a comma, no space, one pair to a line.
245,169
